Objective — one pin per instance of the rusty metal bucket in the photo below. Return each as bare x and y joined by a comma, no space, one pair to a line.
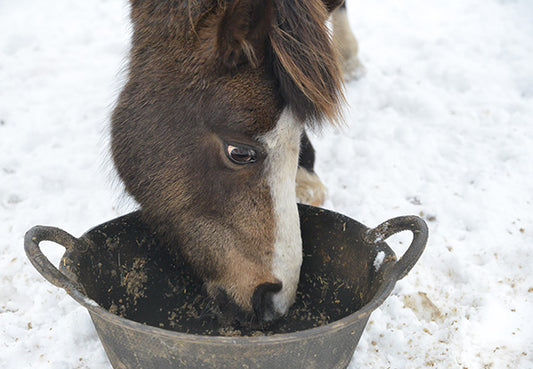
348,271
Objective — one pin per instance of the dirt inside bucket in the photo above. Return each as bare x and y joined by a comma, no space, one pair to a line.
163,292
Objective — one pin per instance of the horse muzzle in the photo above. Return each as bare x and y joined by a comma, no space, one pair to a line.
230,313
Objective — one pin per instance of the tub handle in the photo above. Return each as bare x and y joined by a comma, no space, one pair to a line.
411,223
31,245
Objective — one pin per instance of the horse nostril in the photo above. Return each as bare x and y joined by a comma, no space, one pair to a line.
262,300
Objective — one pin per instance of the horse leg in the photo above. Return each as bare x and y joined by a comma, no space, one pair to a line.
347,44
309,188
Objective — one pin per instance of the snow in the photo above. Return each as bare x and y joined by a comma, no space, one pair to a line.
440,126
379,260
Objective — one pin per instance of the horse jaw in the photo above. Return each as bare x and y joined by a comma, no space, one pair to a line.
283,144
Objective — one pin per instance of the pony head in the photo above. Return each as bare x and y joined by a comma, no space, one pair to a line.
206,135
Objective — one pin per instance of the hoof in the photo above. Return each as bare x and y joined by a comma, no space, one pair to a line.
352,69
309,188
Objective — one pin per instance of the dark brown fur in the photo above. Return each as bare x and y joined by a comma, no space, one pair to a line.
204,72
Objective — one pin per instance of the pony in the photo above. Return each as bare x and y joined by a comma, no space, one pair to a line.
208,137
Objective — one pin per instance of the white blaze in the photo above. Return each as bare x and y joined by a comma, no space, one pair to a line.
283,146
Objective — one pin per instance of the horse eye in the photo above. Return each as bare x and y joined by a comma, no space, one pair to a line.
241,154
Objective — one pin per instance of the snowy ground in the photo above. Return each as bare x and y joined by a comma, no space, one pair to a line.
441,125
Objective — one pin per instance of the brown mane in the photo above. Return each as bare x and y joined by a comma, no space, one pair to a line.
304,57
305,60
